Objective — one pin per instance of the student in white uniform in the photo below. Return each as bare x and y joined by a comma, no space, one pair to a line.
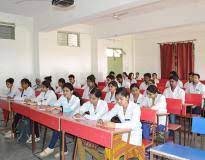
73,81
175,92
155,78
109,78
110,96
129,114
90,85
59,88
49,79
125,76
189,82
179,83
137,76
122,82
37,86
144,85
132,78
135,95
155,101
67,103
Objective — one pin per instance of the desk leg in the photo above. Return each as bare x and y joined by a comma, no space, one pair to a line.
75,149
184,131
33,137
12,121
62,147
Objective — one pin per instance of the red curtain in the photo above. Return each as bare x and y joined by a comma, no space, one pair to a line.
167,57
184,59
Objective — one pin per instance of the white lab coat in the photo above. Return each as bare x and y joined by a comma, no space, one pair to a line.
46,98
29,93
139,100
125,84
156,81
187,84
143,86
178,93
106,89
76,85
59,90
179,84
159,104
72,105
13,92
133,81
199,88
86,93
130,119
109,98
95,112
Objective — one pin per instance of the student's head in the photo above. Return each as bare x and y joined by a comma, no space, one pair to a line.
71,78
131,76
108,79
173,81
152,91
61,82
134,88
25,83
112,73
91,81
150,82
191,77
122,97
95,95
45,86
196,78
147,77
112,86
154,75
119,78
124,75
9,82
68,90
173,73
38,81
137,74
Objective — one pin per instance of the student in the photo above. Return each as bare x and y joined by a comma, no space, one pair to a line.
95,108
121,82
73,81
131,78
135,95
154,77
90,85
189,82
59,88
155,101
37,86
109,78
179,83
144,85
125,76
137,76
175,92
110,96
49,79
70,104
129,115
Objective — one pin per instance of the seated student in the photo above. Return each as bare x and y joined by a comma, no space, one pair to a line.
110,96
37,86
179,83
129,114
135,95
189,82
49,79
132,78
125,76
196,87
175,92
121,82
150,82
154,77
67,103
59,88
73,81
26,93
144,85
109,78
137,76
90,85
155,101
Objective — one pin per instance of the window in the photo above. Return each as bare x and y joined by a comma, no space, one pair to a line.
7,30
114,52
68,39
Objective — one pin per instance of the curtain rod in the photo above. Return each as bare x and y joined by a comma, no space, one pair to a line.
178,41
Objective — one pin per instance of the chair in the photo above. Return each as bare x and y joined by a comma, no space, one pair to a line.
79,91
101,84
110,106
103,95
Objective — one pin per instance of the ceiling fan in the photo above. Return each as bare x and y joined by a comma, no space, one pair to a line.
23,1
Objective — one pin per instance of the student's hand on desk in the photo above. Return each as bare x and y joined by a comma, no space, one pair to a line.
109,124
27,101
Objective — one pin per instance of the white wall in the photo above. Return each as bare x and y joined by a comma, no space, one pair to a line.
16,56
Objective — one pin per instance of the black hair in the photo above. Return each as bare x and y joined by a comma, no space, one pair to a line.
46,84
61,80
125,73
173,73
91,78
153,89
130,75
71,76
111,72
154,74
191,73
97,92
147,75
10,80
119,76
113,83
48,78
134,85
111,77
174,77
69,86
122,91
26,81
196,74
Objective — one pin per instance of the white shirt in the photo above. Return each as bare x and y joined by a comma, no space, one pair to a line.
125,84
133,81
143,86
86,93
179,83
129,119
186,85
199,88
109,98
29,93
139,100
156,81
72,105
95,112
46,98
13,92
106,89
178,93
159,104
59,90
76,85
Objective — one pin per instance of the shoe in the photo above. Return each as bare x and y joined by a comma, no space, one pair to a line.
30,139
46,152
57,155
9,134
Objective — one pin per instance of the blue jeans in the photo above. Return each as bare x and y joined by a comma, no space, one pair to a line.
54,139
